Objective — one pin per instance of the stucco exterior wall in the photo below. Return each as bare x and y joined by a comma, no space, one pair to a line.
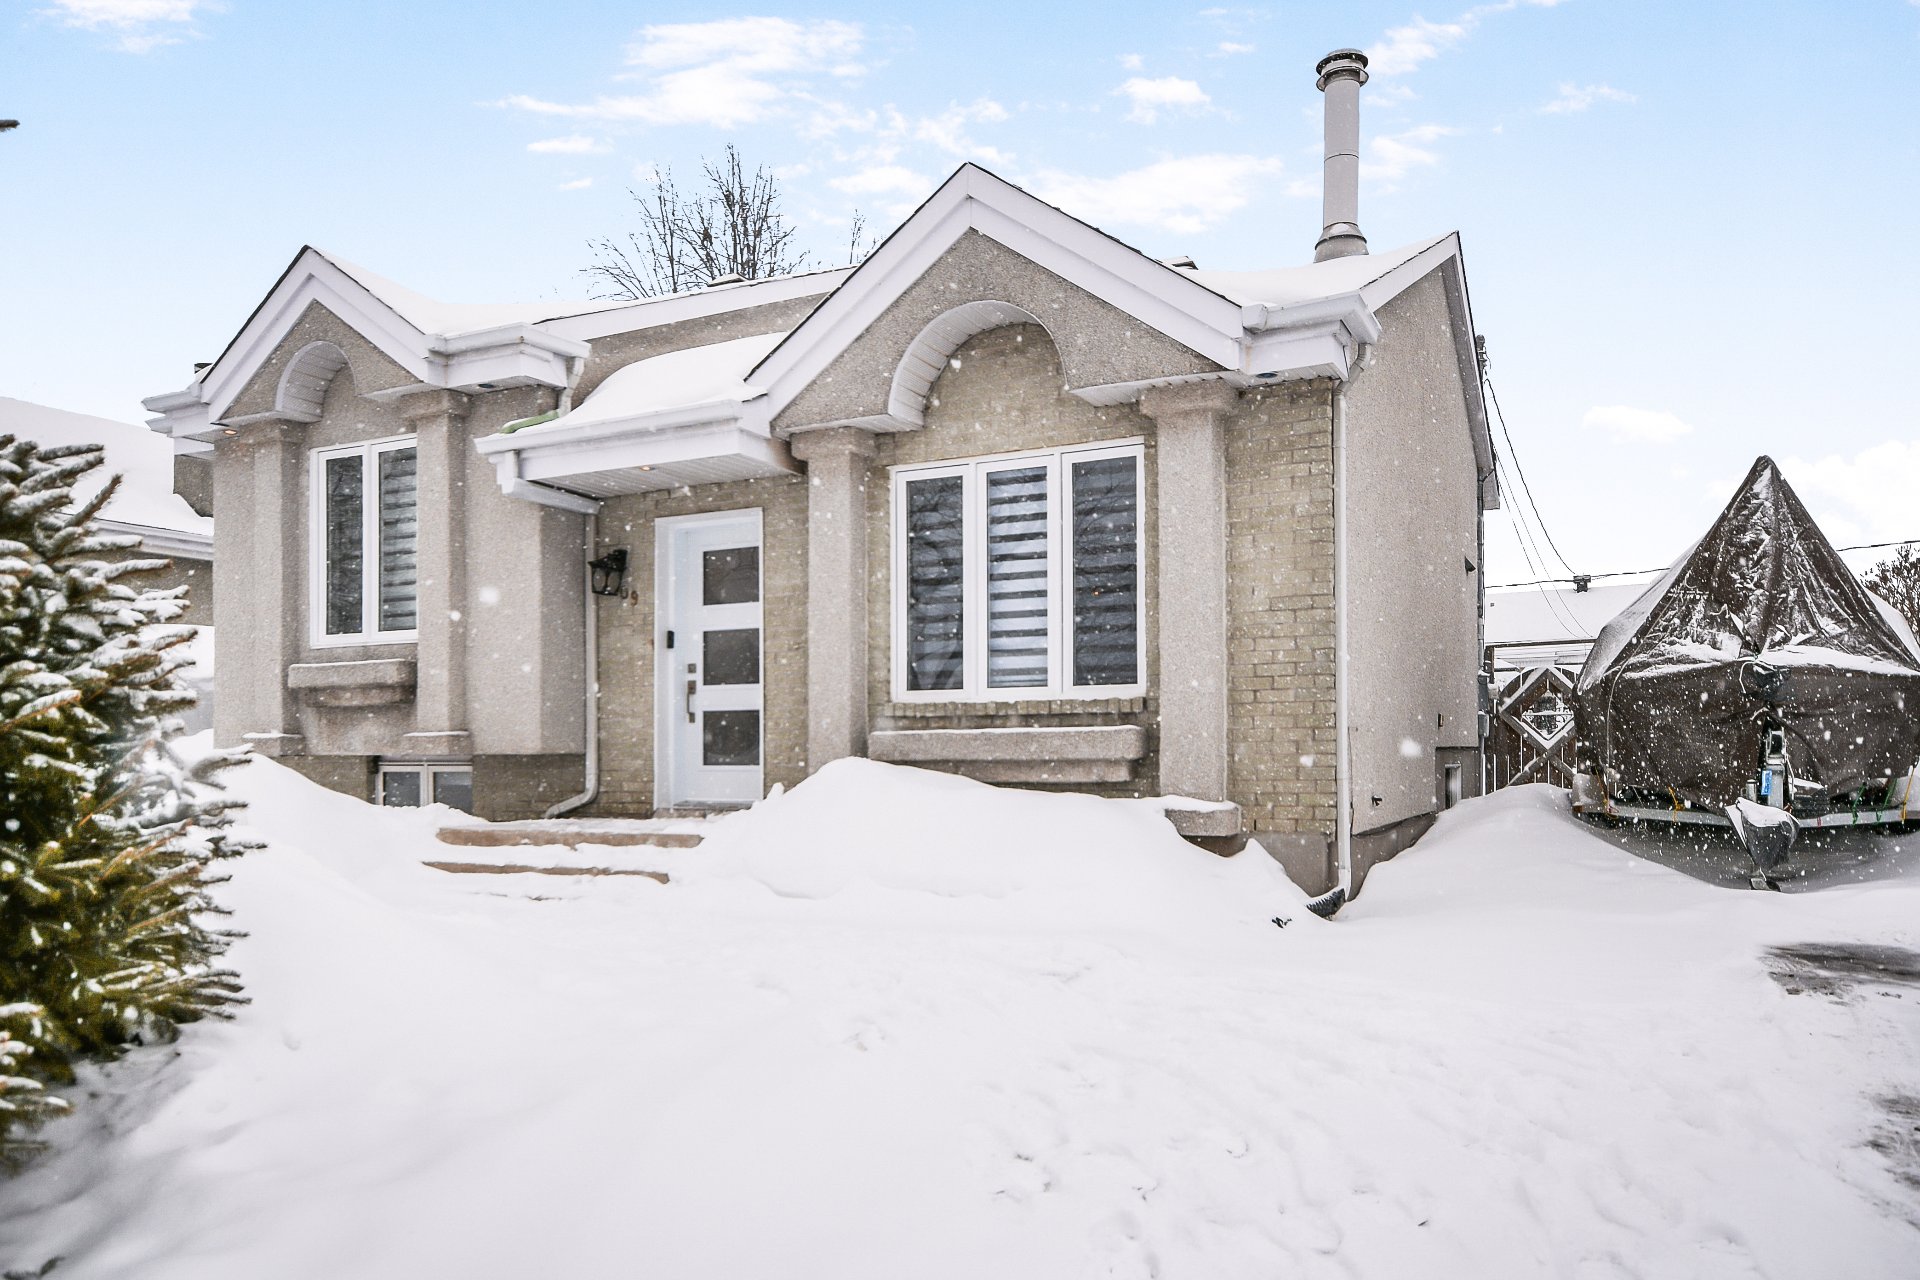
1412,621
628,646
1002,392
520,609
372,369
1095,343
1280,624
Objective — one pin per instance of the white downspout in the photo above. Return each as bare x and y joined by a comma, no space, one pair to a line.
1342,715
590,622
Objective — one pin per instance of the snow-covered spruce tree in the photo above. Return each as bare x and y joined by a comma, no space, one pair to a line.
106,836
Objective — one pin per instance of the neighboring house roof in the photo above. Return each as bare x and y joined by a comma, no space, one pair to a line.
145,502
1553,625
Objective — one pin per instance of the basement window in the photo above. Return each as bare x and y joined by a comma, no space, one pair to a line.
1018,576
408,784
365,532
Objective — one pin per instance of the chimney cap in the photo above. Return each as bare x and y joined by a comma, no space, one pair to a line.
1341,64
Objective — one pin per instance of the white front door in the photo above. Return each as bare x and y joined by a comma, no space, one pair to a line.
708,659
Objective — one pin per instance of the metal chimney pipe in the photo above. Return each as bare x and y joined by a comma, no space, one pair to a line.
1341,72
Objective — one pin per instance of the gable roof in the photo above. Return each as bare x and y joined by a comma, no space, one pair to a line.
464,346
1297,322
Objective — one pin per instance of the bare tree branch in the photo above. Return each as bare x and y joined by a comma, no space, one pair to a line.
731,226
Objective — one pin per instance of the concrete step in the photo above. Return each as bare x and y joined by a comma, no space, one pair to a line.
658,833
518,868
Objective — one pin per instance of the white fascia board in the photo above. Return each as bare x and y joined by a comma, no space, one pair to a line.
973,199
558,435
695,305
518,352
657,450
162,542
1403,277
182,415
312,279
506,470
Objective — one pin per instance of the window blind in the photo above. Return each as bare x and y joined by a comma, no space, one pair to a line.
936,583
1017,578
344,522
1106,572
399,540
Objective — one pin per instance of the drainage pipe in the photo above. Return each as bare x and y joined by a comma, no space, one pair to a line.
590,624
1342,678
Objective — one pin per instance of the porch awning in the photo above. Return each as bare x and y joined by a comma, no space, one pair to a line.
683,418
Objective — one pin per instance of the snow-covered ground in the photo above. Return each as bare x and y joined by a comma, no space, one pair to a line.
896,1024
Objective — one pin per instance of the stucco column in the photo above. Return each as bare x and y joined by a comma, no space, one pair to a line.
836,459
1191,471
442,451
259,543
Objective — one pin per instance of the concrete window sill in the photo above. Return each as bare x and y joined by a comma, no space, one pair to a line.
1032,707
369,683
1093,753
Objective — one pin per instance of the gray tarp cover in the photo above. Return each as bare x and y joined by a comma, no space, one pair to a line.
1667,698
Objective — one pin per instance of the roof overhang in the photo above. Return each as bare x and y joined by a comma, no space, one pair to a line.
672,448
172,543
508,355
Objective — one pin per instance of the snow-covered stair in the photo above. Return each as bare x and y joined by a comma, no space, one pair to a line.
574,832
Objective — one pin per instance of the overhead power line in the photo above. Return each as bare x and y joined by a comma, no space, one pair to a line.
1628,573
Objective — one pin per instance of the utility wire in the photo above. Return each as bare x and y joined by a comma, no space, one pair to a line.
1514,455
1628,573
1523,534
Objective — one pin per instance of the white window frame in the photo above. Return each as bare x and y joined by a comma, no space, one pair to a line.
427,769
368,451
1059,463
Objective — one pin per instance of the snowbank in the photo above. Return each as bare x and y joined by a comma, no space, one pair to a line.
894,1024
885,836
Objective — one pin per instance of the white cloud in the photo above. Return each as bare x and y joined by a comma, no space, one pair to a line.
726,73
1868,497
1578,98
1390,156
1642,426
1227,48
578,184
1150,96
947,130
574,144
1404,48
141,24
1187,194
1133,61
882,179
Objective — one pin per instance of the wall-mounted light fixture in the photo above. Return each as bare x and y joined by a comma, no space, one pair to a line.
609,572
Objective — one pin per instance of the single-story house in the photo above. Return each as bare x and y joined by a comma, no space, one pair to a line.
1009,498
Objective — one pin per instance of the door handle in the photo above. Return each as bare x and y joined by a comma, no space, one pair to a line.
690,688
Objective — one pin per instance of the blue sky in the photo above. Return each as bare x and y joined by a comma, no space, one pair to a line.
1692,230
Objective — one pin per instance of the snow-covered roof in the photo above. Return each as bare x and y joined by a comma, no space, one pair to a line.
143,460
695,376
1552,614
1313,281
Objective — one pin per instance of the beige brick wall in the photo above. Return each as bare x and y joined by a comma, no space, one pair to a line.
1280,704
627,633
1001,393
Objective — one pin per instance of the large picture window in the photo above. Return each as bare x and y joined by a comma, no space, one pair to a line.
1019,576
365,543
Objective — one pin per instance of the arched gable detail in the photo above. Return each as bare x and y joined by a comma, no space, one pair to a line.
935,344
303,386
